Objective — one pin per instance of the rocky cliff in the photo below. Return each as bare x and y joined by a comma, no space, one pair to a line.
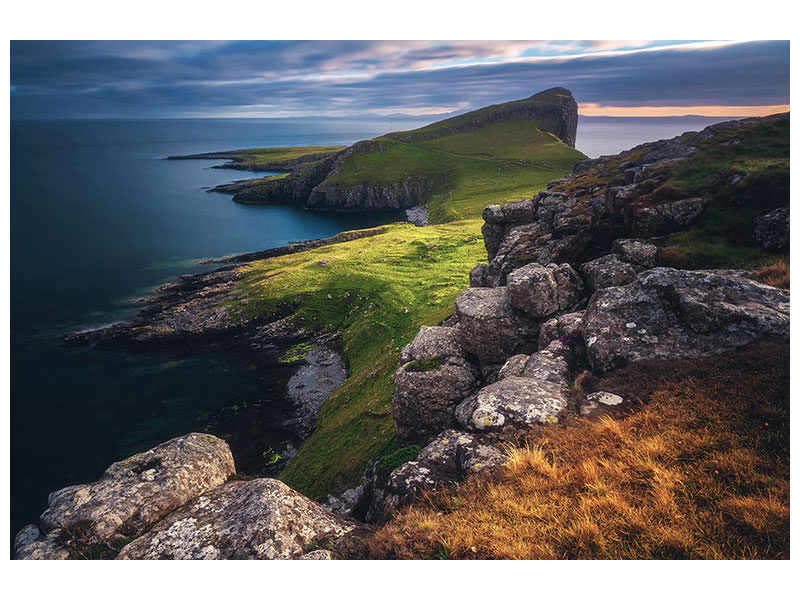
572,286
318,182
575,283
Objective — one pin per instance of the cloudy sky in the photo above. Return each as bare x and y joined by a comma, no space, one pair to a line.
125,79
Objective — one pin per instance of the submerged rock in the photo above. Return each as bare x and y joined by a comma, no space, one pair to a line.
668,313
257,519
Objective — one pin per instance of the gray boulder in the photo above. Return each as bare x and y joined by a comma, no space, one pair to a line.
489,328
598,403
567,326
312,384
136,492
645,220
539,290
772,230
30,544
514,403
448,459
668,313
434,377
608,271
257,519
636,252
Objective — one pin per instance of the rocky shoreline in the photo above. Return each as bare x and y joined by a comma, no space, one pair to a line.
571,290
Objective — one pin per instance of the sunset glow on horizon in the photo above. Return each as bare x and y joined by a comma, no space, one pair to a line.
591,109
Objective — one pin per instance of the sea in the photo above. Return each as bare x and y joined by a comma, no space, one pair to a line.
98,219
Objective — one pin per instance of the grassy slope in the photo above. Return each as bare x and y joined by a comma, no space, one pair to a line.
499,162
722,236
382,289
699,470
272,155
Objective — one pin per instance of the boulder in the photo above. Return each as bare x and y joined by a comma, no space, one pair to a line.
489,328
136,492
550,364
539,290
448,459
513,366
30,544
434,377
607,271
668,313
566,327
772,230
257,519
600,403
647,220
635,252
518,213
514,403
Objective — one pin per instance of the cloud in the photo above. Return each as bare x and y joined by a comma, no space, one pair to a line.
154,79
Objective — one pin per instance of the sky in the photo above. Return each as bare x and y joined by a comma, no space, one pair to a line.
163,79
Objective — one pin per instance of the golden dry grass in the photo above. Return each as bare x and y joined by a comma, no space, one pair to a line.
699,469
776,275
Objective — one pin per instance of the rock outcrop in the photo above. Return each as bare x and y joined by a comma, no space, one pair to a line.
136,492
772,230
535,326
258,519
434,377
668,313
176,502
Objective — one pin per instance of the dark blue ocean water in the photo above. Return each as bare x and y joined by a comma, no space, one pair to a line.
97,217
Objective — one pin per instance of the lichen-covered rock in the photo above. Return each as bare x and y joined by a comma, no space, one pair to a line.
434,377
549,364
772,230
317,555
635,252
449,458
541,290
257,519
608,271
348,503
134,493
600,403
489,328
516,403
30,544
668,313
645,220
567,326
513,366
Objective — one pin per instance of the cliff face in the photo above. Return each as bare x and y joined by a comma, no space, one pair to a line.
401,169
555,110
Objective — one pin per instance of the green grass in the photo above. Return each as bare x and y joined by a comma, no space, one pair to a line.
382,290
722,236
269,155
497,163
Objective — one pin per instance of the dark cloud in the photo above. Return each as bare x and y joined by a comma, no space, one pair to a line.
150,79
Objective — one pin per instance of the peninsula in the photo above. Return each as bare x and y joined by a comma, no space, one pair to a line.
576,359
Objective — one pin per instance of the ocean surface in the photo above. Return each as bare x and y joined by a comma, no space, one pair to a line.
99,218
